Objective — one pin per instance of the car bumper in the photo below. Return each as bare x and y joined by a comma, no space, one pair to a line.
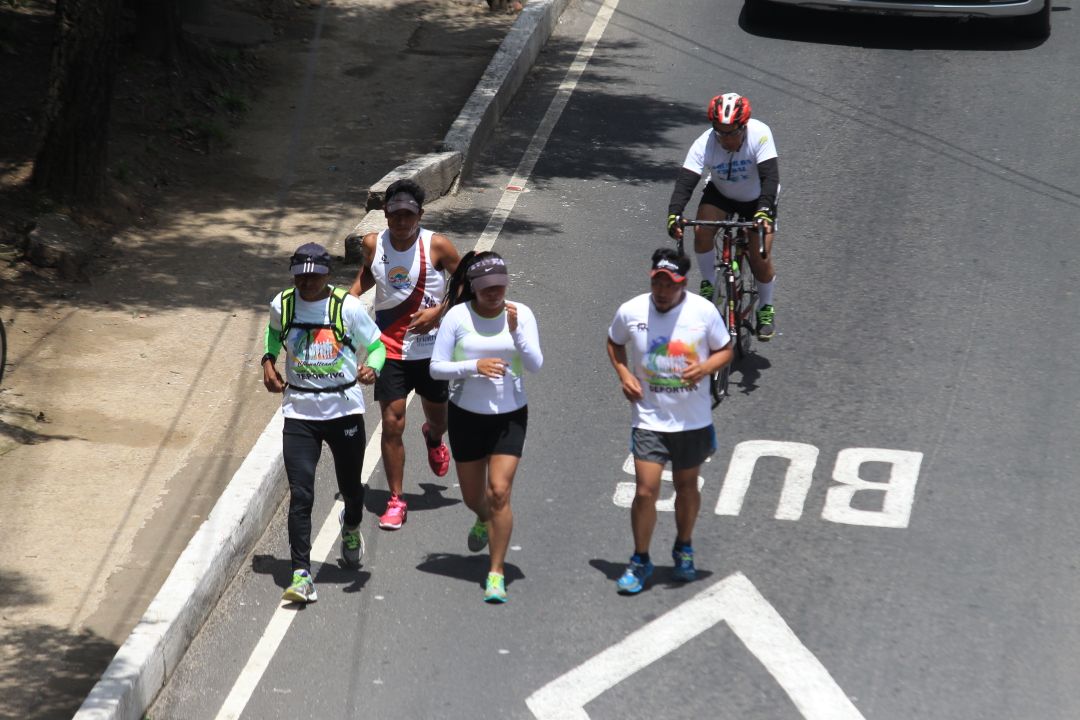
925,9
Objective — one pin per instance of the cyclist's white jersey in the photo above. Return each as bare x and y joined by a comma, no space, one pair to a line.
405,282
734,174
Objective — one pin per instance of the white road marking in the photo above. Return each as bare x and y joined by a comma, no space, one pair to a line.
733,600
898,489
800,472
279,624
518,183
282,618
625,491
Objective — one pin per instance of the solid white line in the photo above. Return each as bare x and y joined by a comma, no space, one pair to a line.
524,170
282,618
749,615
267,646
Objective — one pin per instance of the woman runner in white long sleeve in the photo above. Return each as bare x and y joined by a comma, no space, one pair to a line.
483,347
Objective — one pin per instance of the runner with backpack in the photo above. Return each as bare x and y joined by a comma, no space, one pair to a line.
325,332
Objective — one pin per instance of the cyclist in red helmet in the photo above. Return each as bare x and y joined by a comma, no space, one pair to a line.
738,157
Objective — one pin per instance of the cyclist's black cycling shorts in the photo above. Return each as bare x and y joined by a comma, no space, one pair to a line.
742,210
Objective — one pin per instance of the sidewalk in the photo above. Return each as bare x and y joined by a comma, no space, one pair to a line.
132,399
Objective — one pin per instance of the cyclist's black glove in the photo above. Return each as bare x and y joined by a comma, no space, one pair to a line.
674,222
763,214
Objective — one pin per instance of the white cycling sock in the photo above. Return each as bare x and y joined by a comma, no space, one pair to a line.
707,265
765,292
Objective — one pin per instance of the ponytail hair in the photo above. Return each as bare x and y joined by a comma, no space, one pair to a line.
459,289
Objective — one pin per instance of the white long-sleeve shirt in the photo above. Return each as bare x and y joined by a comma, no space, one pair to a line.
465,337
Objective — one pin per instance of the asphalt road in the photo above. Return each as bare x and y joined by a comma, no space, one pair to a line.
928,331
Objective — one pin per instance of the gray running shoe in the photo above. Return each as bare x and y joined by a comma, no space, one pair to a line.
352,543
766,317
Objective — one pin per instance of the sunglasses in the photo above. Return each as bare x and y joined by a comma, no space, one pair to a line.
727,133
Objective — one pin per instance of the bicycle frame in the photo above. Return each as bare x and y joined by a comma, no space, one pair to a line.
739,289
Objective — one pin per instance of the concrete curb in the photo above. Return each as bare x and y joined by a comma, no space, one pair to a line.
437,172
504,75
147,659
201,574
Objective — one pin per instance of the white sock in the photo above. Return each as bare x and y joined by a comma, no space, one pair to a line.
707,265
765,293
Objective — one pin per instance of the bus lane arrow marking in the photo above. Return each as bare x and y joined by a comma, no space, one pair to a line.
757,624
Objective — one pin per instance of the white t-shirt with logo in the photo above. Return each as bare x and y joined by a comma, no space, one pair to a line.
659,346
315,358
734,174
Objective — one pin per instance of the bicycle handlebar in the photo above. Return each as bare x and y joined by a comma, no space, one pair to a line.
731,224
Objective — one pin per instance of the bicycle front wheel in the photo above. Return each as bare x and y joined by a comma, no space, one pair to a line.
727,304
744,305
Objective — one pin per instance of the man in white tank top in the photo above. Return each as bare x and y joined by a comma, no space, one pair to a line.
407,266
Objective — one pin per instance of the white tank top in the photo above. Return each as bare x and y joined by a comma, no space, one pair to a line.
405,282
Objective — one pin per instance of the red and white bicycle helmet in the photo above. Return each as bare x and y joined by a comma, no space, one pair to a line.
729,109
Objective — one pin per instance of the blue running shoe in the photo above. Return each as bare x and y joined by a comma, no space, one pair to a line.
633,580
684,565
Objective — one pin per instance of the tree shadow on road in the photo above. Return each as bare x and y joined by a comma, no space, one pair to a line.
21,429
67,661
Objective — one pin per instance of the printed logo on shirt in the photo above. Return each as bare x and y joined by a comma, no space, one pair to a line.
732,172
665,362
317,353
398,277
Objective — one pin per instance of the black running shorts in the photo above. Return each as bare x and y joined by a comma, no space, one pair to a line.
474,436
399,377
744,210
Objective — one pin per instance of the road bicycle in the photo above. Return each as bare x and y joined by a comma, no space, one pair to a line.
736,290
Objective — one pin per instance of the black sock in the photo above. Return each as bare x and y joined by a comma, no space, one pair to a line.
680,545
642,558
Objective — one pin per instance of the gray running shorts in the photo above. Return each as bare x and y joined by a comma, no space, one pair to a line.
683,449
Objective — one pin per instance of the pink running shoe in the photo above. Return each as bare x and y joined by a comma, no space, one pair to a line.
438,457
395,515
